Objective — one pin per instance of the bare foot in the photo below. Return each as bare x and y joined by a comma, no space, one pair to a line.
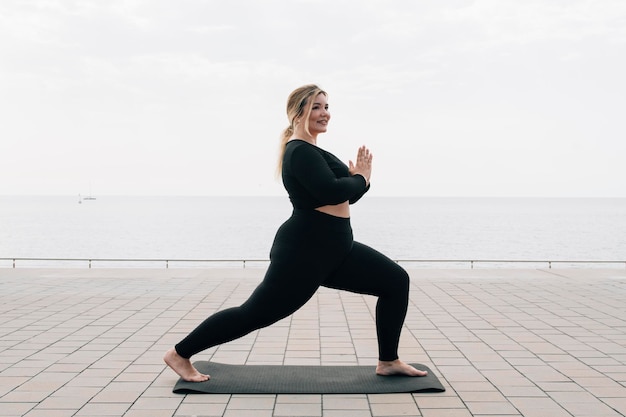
183,367
397,367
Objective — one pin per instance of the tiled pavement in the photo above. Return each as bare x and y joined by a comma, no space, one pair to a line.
505,342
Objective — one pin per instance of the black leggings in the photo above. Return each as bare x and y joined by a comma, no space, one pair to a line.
312,249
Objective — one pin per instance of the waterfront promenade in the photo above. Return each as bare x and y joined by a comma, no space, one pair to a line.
504,342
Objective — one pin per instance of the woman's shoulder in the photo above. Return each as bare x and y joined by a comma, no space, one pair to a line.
302,147
300,150
303,153
300,142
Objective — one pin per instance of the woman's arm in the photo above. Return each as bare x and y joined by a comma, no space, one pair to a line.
312,171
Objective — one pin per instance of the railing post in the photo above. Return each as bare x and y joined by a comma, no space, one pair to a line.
549,264
13,263
167,264
471,264
90,264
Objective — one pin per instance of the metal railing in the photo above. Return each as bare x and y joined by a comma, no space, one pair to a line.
165,262
246,262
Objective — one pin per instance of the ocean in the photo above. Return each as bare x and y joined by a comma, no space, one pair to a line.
233,228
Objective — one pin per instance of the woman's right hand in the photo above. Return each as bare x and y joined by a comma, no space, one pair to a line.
363,164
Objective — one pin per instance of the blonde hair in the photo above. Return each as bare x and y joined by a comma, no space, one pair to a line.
298,105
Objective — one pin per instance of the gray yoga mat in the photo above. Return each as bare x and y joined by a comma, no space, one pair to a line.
292,379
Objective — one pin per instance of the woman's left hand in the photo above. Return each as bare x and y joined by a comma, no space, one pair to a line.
363,164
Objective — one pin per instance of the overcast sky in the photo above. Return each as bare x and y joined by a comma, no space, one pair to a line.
454,98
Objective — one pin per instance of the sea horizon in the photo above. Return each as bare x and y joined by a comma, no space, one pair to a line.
243,227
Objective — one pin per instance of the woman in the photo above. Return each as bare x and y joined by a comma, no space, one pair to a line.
313,248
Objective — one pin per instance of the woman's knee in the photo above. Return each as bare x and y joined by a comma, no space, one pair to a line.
401,280
393,282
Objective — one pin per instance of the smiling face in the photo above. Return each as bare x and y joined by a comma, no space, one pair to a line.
307,110
319,115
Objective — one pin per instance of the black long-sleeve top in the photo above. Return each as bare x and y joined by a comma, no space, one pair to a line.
314,177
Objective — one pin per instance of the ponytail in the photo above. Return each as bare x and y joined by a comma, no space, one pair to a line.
283,144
